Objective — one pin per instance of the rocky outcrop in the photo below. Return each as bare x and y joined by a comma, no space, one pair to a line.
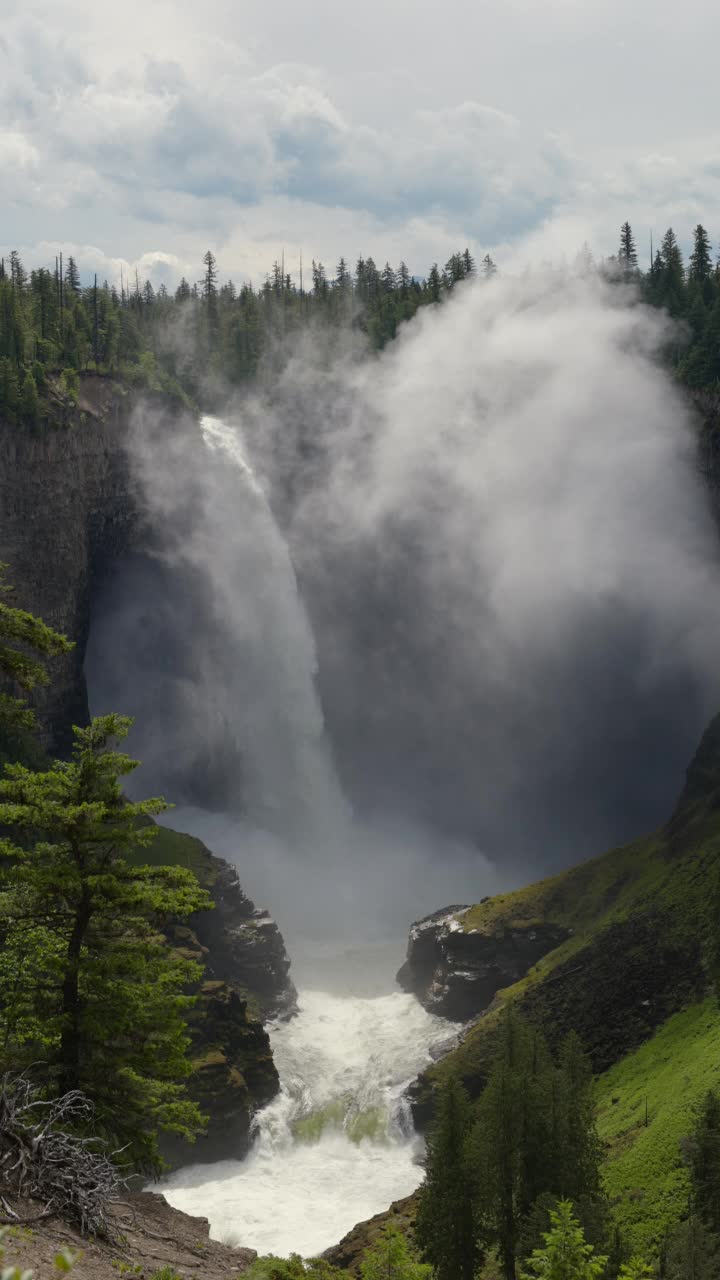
245,947
246,981
456,972
349,1254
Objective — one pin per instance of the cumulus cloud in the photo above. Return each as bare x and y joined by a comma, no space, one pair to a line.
162,129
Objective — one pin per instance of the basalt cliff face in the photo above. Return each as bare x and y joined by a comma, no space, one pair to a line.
246,981
67,511
456,973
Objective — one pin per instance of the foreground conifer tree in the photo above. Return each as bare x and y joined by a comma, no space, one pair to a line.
25,641
445,1228
88,985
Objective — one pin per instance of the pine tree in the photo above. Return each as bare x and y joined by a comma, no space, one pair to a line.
672,277
434,283
87,984
565,1255
445,1228
700,266
580,1152
627,253
391,1259
489,267
497,1143
210,296
25,641
72,277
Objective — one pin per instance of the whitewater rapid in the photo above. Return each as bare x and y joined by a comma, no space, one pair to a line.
337,1145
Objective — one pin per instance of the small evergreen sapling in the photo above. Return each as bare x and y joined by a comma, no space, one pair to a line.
565,1254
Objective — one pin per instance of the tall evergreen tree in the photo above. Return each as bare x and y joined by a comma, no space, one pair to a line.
87,984
72,277
700,266
627,253
446,1228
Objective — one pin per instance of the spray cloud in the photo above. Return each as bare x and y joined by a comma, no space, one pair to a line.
511,571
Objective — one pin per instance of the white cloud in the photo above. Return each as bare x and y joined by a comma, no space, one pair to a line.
167,126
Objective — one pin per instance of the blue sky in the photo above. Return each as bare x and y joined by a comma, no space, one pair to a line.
148,131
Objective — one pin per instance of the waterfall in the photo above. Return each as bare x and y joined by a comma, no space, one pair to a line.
290,782
337,1145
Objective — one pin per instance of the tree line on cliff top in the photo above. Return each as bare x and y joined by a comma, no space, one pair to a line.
54,327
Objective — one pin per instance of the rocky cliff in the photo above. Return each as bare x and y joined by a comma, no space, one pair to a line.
246,982
67,510
456,972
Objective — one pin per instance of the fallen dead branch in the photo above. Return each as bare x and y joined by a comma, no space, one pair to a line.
47,1156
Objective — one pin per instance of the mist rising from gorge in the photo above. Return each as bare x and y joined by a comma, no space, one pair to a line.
508,571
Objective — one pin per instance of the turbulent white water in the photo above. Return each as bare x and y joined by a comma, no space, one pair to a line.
337,1145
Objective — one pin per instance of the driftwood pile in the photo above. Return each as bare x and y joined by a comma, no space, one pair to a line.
47,1157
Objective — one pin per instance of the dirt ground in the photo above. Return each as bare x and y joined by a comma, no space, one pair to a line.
149,1236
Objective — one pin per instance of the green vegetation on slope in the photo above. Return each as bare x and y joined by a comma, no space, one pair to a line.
645,1175
642,927
632,979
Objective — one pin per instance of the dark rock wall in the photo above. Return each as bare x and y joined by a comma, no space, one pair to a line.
456,974
65,511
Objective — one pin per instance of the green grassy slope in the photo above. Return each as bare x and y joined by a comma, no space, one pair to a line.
644,1171
641,918
633,980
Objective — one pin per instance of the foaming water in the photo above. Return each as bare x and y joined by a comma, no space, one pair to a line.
337,1145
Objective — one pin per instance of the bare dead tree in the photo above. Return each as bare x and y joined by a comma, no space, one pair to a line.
48,1154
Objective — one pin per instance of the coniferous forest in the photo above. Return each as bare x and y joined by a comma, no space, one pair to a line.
53,327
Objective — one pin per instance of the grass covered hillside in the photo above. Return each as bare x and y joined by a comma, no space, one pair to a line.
634,979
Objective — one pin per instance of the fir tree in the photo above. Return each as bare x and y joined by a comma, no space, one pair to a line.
565,1255
25,641
87,984
700,266
392,1259
72,277
446,1228
627,254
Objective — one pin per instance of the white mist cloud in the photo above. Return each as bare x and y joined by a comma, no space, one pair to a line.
510,558
506,551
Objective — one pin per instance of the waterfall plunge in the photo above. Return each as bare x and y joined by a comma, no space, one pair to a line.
290,782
